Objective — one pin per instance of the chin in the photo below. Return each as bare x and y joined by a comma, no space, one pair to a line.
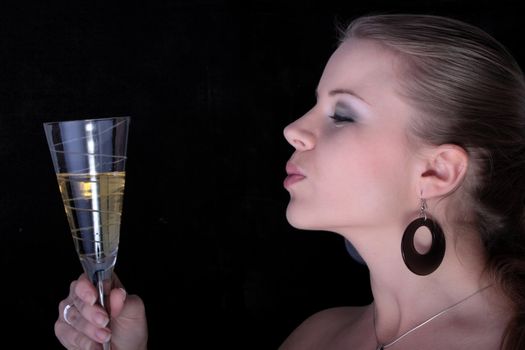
299,220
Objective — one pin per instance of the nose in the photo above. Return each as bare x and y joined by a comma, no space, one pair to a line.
299,136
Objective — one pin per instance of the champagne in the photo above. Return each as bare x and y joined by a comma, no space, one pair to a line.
89,158
93,205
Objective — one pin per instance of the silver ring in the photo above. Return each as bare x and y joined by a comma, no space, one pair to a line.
64,313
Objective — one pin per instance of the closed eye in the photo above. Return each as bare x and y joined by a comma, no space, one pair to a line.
342,119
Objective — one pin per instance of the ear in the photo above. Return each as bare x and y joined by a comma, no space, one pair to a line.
444,170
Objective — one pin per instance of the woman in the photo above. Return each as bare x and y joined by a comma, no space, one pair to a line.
415,153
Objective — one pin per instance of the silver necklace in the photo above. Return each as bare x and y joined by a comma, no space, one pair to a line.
386,346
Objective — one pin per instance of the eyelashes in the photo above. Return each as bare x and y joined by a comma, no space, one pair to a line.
339,119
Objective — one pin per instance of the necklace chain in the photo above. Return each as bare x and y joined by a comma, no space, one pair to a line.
386,346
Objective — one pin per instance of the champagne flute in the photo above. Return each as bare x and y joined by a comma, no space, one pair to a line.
89,158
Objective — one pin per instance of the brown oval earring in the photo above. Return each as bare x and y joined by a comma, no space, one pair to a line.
423,264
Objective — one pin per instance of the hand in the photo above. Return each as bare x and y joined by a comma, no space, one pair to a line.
87,325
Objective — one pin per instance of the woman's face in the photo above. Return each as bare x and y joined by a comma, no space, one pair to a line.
352,165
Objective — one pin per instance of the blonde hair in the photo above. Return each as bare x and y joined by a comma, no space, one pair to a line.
470,92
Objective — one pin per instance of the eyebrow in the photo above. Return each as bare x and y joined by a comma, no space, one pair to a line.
344,91
347,92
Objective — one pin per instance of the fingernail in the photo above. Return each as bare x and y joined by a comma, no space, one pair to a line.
101,319
103,335
124,292
89,298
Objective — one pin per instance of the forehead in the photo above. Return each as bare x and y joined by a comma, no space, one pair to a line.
361,65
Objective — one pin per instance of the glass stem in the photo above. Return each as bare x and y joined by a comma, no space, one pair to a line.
103,284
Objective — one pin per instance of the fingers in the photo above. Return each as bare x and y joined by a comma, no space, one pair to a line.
74,340
78,333
83,294
82,323
82,290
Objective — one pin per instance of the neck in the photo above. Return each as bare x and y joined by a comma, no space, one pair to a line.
403,300
382,345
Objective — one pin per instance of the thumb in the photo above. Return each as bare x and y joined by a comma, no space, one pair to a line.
117,298
126,307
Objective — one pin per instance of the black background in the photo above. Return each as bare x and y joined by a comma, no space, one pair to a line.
209,86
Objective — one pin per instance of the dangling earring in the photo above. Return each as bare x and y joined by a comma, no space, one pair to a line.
423,264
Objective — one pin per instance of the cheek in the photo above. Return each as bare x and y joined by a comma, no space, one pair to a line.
354,183
372,179
364,163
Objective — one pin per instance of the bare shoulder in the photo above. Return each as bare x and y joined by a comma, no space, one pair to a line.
321,327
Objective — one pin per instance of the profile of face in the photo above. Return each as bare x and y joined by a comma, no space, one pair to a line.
353,159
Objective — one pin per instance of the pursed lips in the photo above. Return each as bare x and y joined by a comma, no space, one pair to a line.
294,175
